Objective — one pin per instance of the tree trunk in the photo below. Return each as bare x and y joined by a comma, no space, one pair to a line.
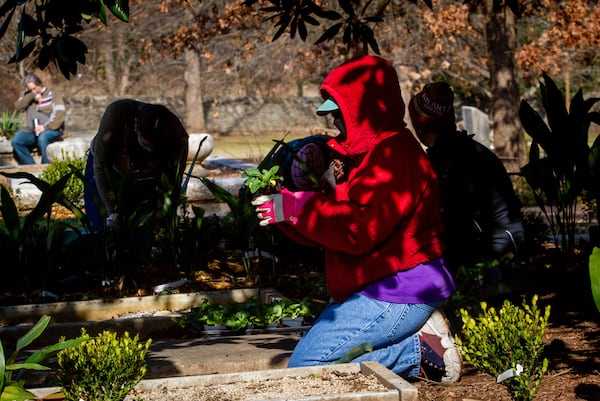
501,36
117,61
124,60
109,67
194,112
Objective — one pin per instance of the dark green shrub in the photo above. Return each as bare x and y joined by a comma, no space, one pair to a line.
63,166
523,191
499,340
102,368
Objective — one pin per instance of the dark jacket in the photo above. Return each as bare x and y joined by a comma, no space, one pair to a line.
481,212
116,151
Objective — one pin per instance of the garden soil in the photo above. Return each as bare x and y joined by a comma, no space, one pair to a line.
573,374
270,389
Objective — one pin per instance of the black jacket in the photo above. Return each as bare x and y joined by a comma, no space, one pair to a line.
481,212
116,150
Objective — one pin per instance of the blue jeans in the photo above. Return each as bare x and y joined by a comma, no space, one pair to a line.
24,141
391,328
91,198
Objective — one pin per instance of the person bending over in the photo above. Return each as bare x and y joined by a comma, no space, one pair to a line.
140,141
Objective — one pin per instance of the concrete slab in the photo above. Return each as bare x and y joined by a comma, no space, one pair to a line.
219,354
183,354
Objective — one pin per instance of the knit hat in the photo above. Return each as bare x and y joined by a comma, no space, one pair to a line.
435,102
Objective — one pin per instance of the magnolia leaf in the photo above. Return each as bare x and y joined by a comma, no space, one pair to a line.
329,33
6,22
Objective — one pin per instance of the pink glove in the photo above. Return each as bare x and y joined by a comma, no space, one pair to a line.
284,206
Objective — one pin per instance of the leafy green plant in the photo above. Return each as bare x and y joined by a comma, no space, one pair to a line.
262,180
214,316
296,309
237,317
560,176
498,340
241,315
273,312
181,234
60,167
265,177
10,121
12,373
254,307
102,368
207,313
19,233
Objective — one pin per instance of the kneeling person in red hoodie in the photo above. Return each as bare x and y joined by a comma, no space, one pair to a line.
380,229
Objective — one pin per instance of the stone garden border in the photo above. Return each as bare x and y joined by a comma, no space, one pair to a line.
397,389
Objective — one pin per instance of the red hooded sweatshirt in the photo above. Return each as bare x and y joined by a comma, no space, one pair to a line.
385,217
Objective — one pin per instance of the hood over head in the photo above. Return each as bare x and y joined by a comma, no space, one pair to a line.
367,92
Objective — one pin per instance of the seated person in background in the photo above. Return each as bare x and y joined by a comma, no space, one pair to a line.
480,210
146,140
44,120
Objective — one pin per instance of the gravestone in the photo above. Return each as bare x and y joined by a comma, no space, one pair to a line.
477,123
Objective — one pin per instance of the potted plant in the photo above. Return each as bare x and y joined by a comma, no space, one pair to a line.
295,312
214,318
206,317
236,317
254,308
272,314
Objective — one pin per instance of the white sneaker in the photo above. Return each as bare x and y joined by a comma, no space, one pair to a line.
441,359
